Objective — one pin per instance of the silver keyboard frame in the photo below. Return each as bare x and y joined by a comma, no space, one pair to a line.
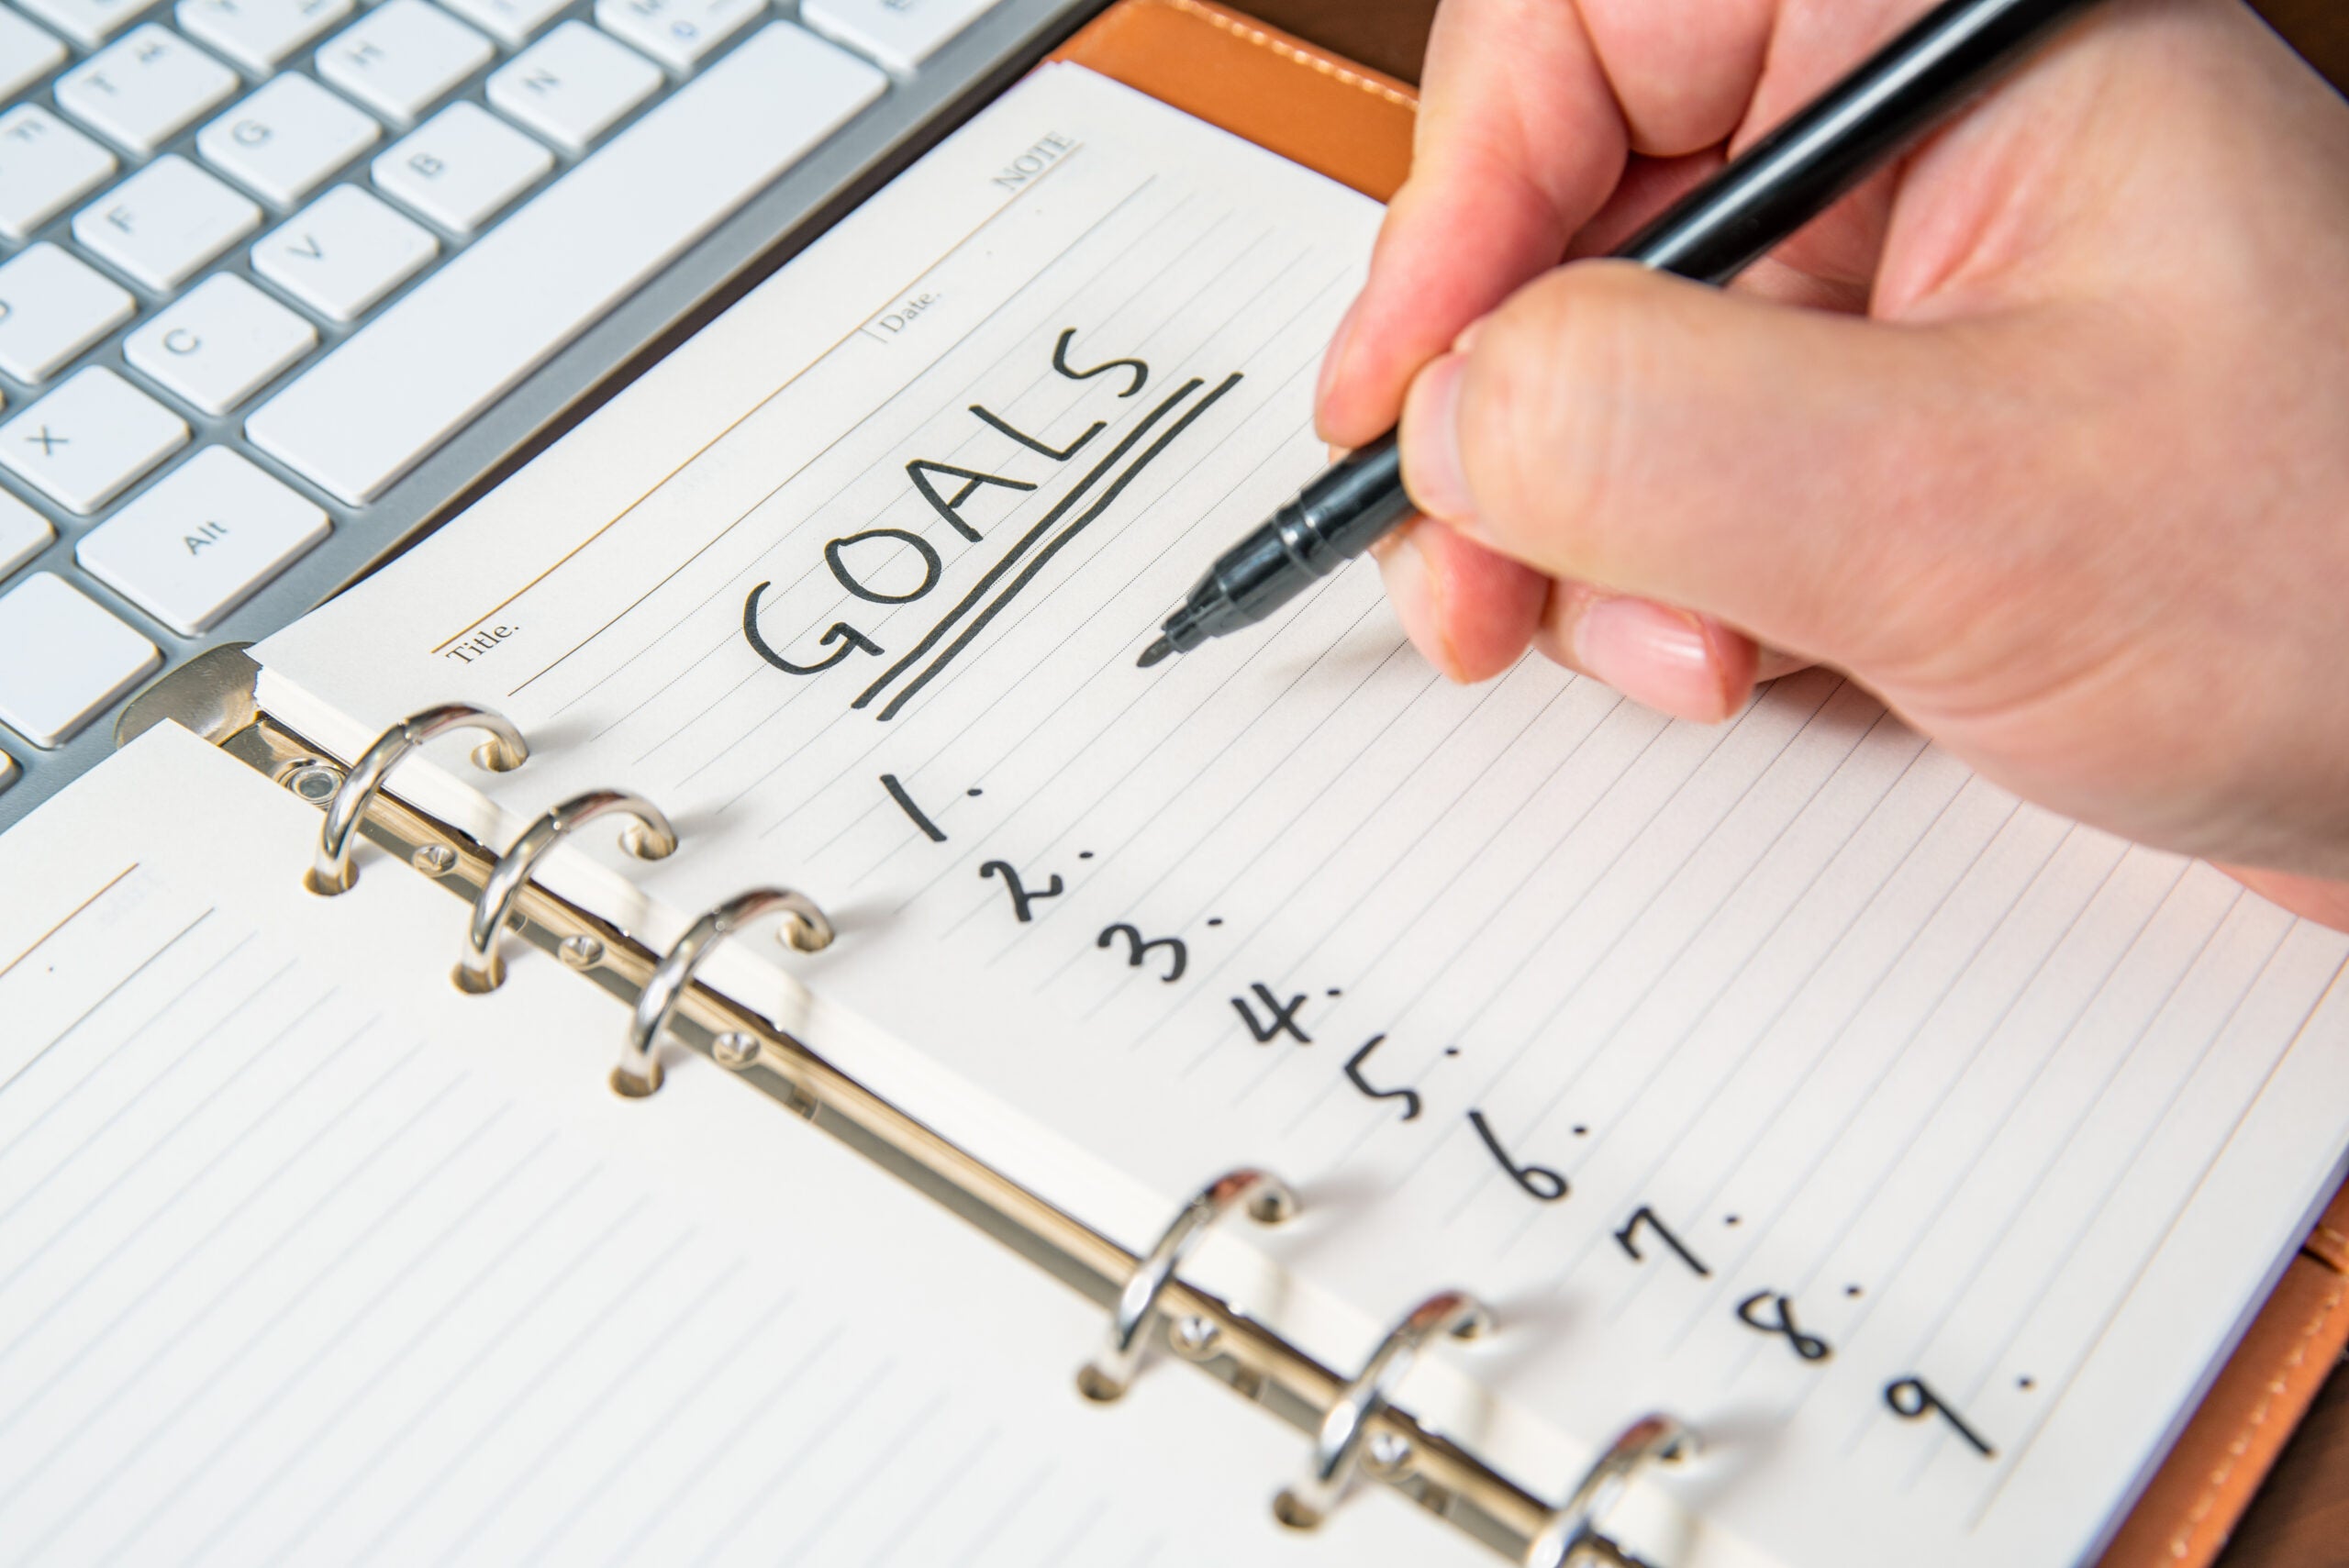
917,111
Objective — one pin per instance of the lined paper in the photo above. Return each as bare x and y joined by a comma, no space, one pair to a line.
308,1258
1925,1147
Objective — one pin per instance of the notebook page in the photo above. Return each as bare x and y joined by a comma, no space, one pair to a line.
1926,1149
310,1258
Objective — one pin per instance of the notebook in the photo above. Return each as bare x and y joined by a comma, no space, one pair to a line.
1925,1153
312,1259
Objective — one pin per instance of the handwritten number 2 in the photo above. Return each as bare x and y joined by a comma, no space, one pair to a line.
1911,1400
1023,895
1539,1180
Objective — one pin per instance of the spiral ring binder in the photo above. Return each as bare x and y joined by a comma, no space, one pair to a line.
1574,1528
480,969
1268,1201
331,870
807,929
1345,1429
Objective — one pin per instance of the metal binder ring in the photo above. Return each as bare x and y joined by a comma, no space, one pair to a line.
638,1073
1651,1439
1346,1428
330,868
481,968
1268,1200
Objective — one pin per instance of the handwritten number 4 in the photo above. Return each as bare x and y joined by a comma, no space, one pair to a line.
1539,1180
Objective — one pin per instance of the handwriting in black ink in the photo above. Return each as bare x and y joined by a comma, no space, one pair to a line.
906,803
1539,1180
1810,1347
1022,897
847,636
1136,947
1409,1096
1628,1239
1060,363
1057,454
1282,1019
930,566
951,506
1912,1400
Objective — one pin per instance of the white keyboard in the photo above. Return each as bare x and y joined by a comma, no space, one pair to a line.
264,261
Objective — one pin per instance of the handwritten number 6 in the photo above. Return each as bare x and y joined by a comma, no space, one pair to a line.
1539,1180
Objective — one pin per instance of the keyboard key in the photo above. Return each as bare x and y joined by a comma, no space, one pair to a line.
44,165
373,407
222,342
574,85
53,305
202,542
160,225
140,90
402,55
461,167
343,252
678,33
87,22
27,54
900,34
257,33
284,140
87,442
63,659
24,533
510,21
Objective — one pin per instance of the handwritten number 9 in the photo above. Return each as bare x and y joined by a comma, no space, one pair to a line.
1912,1400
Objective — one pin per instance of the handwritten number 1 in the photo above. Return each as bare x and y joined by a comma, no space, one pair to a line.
1539,1180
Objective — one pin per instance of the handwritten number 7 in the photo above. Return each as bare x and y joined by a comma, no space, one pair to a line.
1629,1239
1539,1180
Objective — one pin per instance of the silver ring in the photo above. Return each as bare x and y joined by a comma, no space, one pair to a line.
1268,1201
1573,1525
481,968
1346,1428
638,1073
330,868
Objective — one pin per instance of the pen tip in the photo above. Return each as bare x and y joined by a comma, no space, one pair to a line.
1158,651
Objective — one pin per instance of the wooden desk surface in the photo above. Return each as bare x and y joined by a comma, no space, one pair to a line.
2300,1519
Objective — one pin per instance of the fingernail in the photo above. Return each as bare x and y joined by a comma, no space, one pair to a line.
1334,356
1432,470
1653,655
1410,589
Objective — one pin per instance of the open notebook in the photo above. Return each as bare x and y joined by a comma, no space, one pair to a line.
1925,1150
311,1259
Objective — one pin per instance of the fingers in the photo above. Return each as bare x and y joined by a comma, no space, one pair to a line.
1770,468
1470,611
1518,143
1673,661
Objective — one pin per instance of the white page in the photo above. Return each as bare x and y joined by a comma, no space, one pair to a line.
310,1258
2019,1120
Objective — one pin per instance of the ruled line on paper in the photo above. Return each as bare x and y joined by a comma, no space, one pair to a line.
67,919
104,998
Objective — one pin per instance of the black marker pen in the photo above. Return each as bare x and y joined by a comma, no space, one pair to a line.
1710,235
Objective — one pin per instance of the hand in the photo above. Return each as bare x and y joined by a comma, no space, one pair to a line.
2043,435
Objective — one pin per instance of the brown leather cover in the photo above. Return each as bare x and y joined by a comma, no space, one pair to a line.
1338,118
1354,125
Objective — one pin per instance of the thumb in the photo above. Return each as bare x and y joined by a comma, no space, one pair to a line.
1792,474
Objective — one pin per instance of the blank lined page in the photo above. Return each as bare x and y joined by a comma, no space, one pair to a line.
1925,1147
305,1257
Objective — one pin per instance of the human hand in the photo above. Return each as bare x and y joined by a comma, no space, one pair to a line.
2043,435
